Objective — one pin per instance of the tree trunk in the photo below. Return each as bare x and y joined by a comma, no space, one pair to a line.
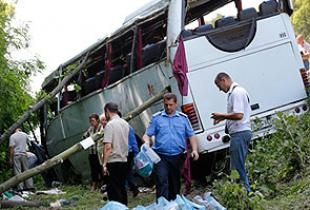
12,204
74,149
43,101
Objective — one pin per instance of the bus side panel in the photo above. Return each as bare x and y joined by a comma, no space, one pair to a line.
68,127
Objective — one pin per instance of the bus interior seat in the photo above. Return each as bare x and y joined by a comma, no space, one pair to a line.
186,33
234,37
224,21
99,78
89,85
268,7
247,14
68,96
116,73
154,52
203,28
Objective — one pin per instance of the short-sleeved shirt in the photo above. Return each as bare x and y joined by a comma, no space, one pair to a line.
170,132
97,147
238,102
116,132
19,141
132,142
305,49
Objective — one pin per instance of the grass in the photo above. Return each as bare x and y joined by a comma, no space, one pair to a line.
81,198
294,195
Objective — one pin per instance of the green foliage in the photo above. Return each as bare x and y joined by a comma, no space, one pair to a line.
233,195
14,76
217,17
281,157
4,166
277,167
301,17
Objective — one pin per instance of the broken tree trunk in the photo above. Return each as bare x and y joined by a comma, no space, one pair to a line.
58,159
43,101
12,204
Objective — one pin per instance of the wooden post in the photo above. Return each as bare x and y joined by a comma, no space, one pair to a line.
58,159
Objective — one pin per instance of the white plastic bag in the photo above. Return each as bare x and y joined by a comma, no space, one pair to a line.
143,164
150,153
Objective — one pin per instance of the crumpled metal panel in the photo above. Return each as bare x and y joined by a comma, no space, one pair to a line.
67,128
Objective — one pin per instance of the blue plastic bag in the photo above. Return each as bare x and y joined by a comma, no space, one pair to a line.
143,164
113,205
191,205
139,207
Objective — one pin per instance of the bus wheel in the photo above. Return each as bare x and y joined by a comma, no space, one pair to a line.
221,163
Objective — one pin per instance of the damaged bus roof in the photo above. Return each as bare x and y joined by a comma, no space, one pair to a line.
146,13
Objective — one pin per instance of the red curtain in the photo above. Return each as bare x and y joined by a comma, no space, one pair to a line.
180,68
139,49
107,65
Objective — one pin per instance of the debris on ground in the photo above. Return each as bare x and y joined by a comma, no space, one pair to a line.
54,191
146,190
205,202
12,199
59,203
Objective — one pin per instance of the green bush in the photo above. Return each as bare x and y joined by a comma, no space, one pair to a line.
282,156
233,195
275,165
5,169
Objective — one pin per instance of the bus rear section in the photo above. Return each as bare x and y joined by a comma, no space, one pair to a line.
259,52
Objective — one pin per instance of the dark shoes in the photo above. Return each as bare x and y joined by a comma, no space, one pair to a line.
135,192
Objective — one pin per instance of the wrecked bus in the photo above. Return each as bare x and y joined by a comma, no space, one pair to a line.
256,46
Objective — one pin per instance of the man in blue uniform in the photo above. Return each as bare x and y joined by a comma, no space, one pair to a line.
170,128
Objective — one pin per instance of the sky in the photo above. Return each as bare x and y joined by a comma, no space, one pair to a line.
60,29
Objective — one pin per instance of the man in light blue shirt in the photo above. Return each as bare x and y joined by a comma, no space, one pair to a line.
170,128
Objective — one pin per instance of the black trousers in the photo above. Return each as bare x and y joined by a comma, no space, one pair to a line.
168,176
95,167
116,181
130,178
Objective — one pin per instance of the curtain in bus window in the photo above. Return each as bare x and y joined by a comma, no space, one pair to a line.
180,68
139,49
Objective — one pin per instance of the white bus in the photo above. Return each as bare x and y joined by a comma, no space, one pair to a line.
155,48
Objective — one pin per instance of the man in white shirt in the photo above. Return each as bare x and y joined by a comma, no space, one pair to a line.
115,152
18,157
238,123
304,48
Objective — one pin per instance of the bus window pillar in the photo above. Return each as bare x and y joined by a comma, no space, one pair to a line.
175,26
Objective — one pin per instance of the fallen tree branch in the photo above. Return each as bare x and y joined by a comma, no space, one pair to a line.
43,101
58,159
